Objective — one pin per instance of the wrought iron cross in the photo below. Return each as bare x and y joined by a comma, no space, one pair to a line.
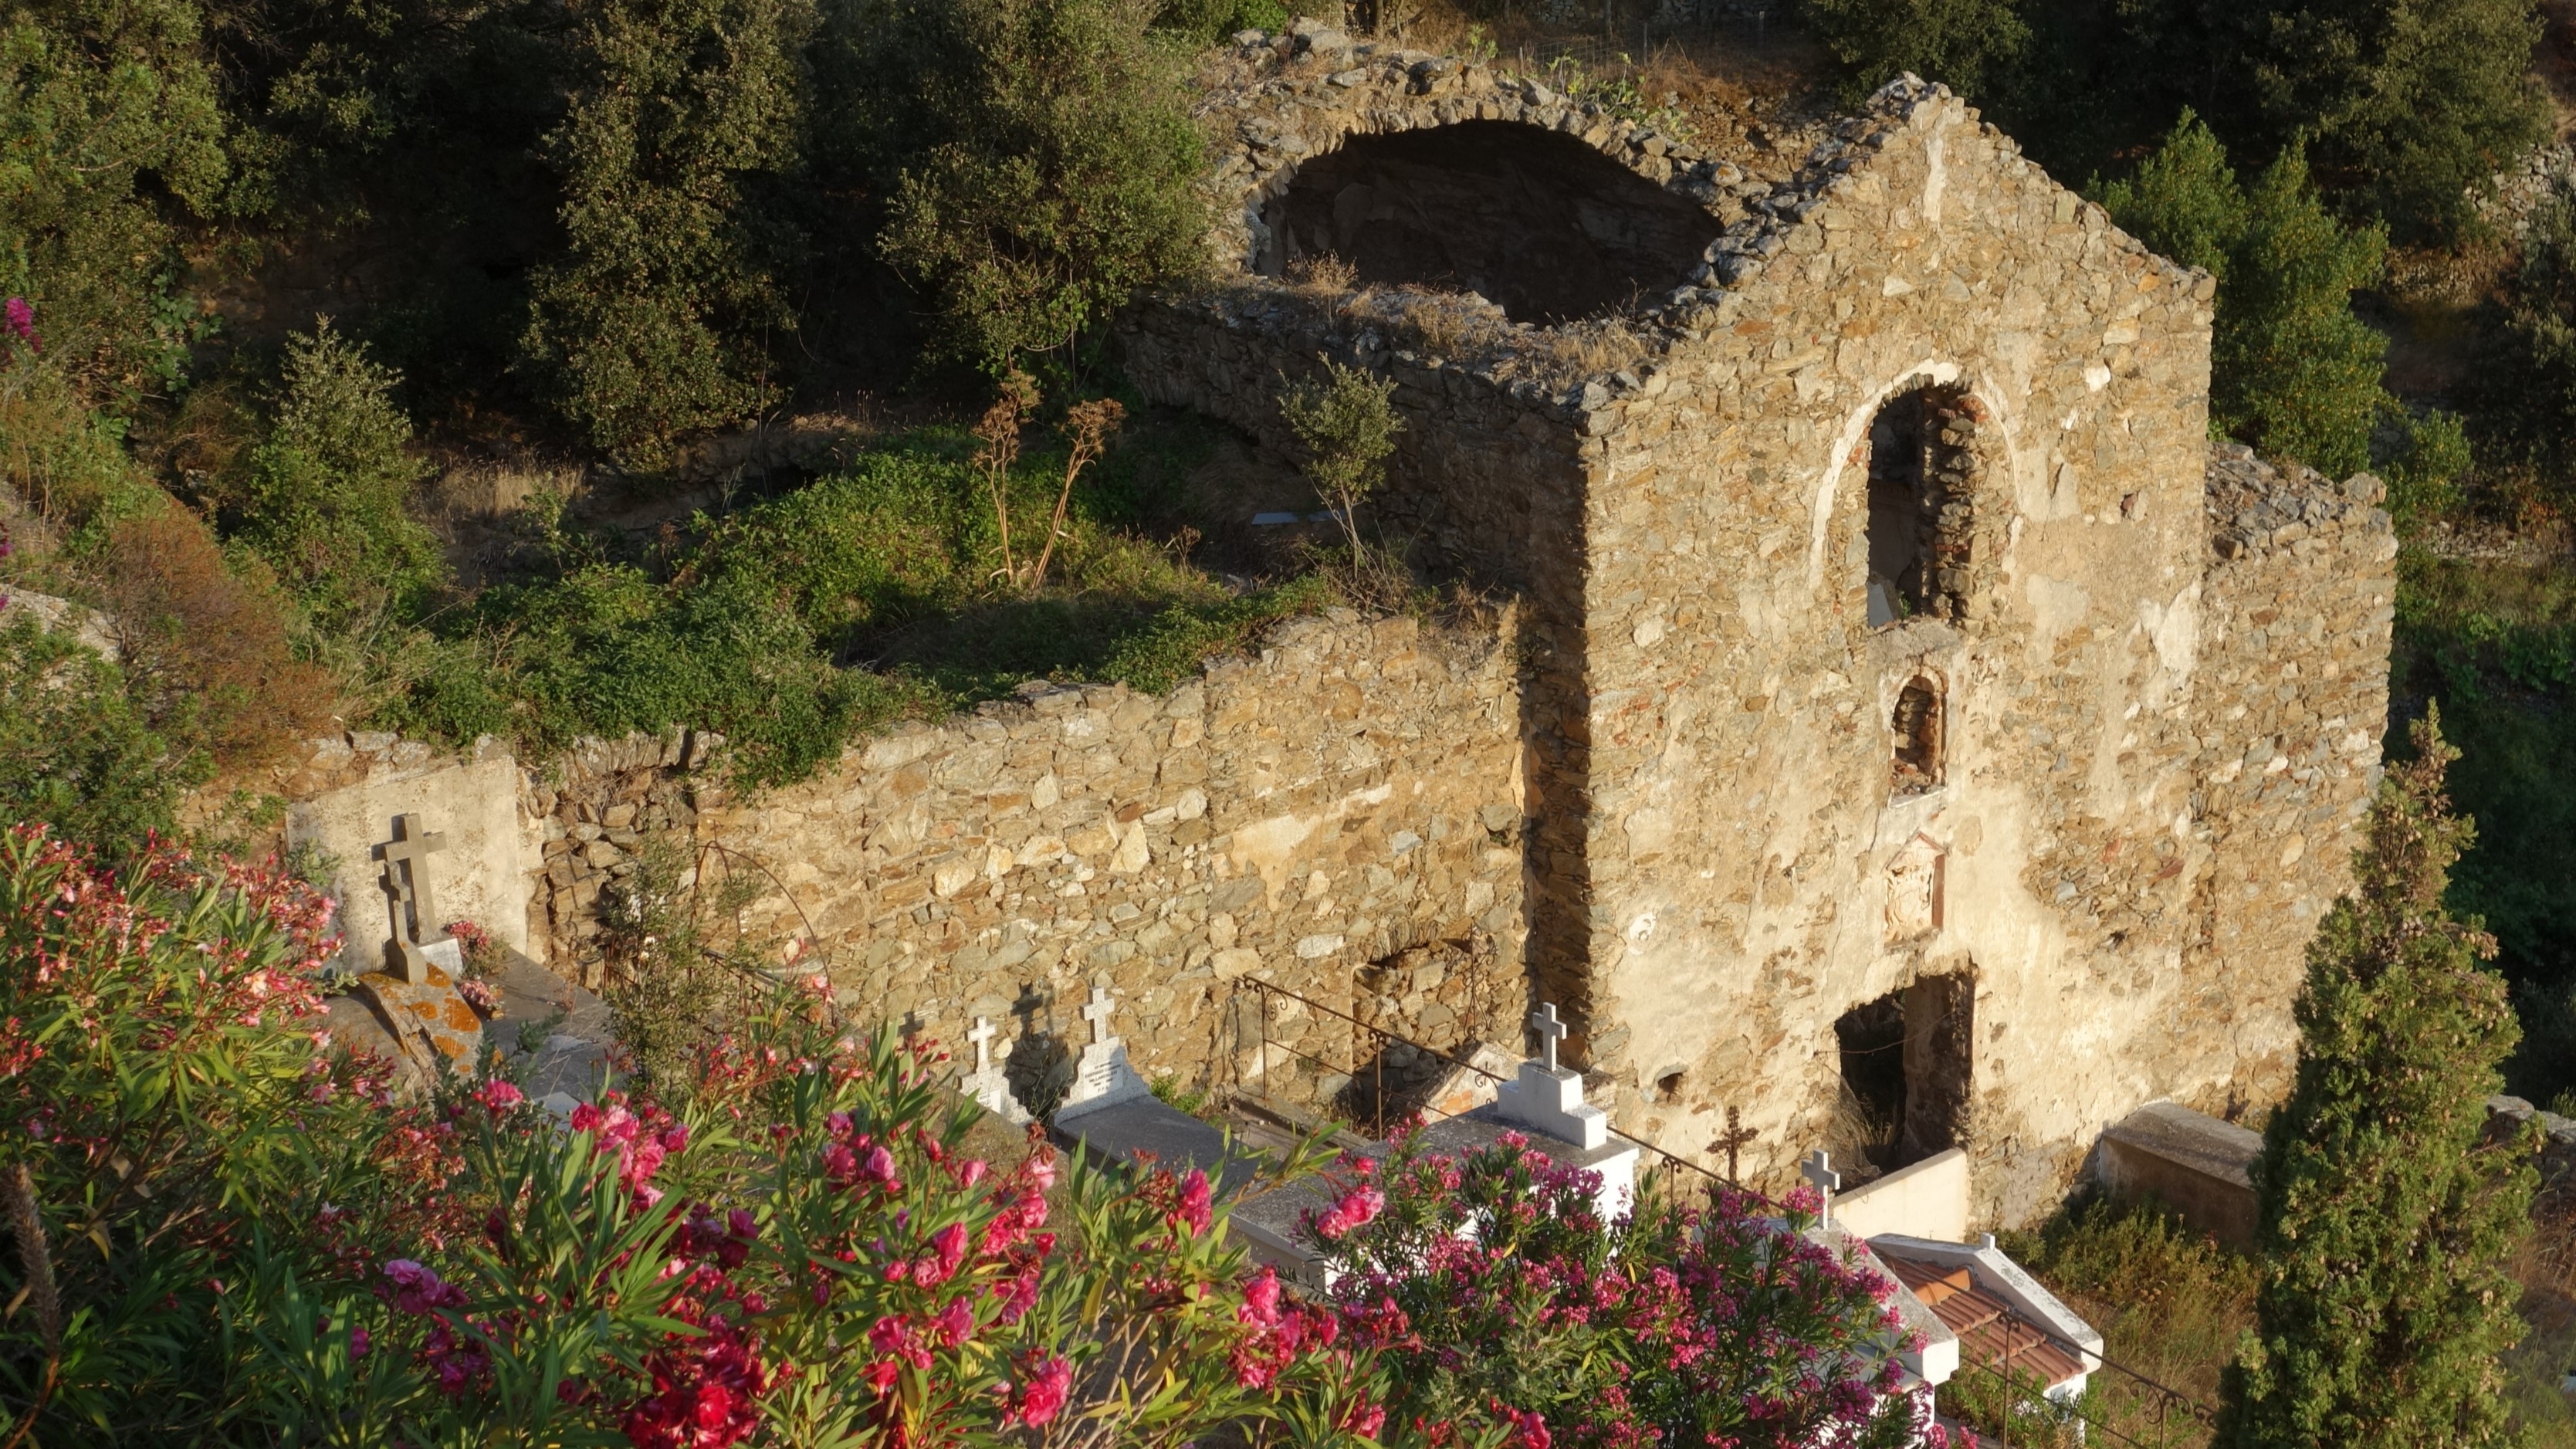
982,1037
1550,1032
1819,1169
1097,1013
1735,1136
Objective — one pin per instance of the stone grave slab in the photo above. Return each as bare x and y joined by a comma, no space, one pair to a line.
571,1060
477,872
2195,1163
1130,1131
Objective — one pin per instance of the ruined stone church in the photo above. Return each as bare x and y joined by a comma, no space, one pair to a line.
1897,720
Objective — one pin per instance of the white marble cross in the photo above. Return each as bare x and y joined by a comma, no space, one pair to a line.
1097,1013
982,1037
1550,1032
1819,1169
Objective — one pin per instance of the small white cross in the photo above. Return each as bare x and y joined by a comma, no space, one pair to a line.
1550,1031
1097,1013
981,1036
1819,1169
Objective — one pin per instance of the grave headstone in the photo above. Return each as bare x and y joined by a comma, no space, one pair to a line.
418,942
1102,1078
987,1084
1549,1099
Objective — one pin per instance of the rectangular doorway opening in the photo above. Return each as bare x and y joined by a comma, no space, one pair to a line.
1906,1080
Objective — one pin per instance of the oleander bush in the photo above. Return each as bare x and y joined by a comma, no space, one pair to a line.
1507,1309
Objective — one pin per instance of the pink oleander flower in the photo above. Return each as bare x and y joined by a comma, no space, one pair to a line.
1197,1208
1356,1210
499,1097
1042,1392
20,319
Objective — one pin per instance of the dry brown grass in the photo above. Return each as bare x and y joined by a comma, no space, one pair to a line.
205,640
1324,274
1579,351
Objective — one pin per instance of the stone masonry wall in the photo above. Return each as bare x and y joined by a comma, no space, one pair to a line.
2288,710
1340,815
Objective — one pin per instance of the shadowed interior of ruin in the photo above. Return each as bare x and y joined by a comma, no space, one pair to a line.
1905,1072
1539,223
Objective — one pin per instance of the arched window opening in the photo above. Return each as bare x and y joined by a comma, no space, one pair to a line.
1922,467
1536,222
1916,727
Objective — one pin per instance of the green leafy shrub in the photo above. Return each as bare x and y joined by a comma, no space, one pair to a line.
2385,1220
2424,467
2495,642
2524,405
1058,178
866,596
2409,108
1970,45
105,110
77,753
655,320
2291,368
327,496
1347,421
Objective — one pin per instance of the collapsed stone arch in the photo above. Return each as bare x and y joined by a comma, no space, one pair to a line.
1545,226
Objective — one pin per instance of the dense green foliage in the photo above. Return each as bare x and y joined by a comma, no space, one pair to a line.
2406,107
1059,178
658,319
2385,1221
2291,368
77,753
2495,643
2526,382
325,497
106,109
888,564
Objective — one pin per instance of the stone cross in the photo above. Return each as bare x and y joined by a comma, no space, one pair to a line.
406,884
982,1037
1819,1169
1097,1013
1550,1032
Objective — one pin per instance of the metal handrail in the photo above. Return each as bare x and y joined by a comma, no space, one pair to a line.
2167,1398
1265,990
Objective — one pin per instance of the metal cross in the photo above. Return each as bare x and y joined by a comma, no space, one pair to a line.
406,882
1097,1013
1735,1136
1819,1169
1550,1032
982,1037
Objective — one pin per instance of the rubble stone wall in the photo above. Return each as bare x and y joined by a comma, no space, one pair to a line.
2288,712
1345,805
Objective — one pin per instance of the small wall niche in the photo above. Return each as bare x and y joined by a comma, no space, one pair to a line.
1916,731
